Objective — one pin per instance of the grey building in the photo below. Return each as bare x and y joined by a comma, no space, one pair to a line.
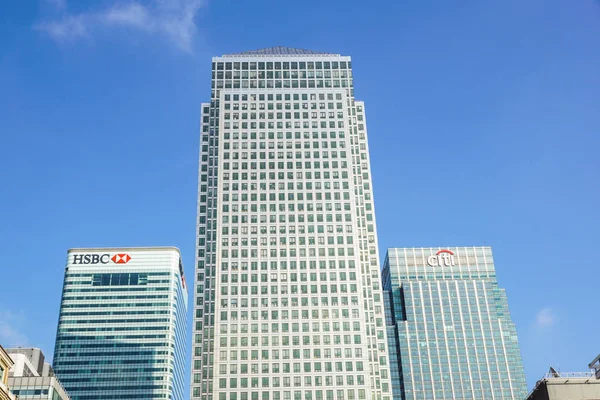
33,378
566,386
288,302
452,329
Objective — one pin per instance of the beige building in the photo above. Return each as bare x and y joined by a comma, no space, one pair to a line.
566,386
6,364
31,377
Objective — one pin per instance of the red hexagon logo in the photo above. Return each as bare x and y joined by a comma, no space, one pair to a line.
120,258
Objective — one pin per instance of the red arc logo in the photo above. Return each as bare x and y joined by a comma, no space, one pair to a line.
121,258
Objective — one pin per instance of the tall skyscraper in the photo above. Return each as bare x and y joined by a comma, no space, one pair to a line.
455,337
288,300
122,324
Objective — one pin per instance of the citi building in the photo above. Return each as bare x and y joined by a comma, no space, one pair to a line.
449,327
122,325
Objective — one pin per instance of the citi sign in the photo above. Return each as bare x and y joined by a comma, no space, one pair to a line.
122,258
443,258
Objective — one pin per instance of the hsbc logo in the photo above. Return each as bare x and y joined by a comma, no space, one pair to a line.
121,258
443,258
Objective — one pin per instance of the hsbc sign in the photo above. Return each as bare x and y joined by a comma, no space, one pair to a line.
121,258
443,258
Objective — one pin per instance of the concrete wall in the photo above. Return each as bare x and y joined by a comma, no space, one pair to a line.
575,391
567,389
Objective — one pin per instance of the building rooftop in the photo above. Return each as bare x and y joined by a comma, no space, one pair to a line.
554,377
279,50
29,361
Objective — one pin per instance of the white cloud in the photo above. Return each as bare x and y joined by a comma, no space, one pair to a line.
66,29
58,4
174,19
132,14
546,318
10,336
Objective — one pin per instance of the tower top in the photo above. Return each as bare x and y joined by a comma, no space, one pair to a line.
279,50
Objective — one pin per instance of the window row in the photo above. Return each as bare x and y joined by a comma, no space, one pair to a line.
287,115
314,313
261,65
253,197
304,289
277,74
285,106
307,155
283,155
282,176
295,354
280,125
307,367
292,252
296,381
300,215
280,97
339,394
279,84
280,135
280,165
283,277
284,265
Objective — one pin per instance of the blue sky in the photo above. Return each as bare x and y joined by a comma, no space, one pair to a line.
483,125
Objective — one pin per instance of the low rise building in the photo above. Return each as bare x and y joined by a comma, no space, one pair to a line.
566,385
31,377
6,364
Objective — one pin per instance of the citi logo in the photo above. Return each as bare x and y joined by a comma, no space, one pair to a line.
122,258
443,258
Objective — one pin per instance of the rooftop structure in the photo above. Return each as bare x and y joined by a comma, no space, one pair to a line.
33,378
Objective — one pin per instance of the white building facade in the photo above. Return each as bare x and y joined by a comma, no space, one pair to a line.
31,378
288,301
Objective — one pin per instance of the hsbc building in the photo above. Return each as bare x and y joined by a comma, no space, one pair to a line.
123,316
95,258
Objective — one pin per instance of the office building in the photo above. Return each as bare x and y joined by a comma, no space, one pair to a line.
6,364
122,324
566,386
455,336
288,301
32,378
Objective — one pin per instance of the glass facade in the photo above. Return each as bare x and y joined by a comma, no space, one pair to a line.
455,337
122,324
288,298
